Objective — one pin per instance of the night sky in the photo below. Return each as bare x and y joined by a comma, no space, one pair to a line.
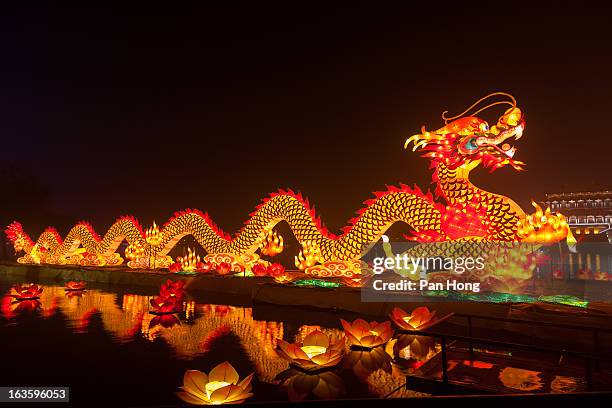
146,111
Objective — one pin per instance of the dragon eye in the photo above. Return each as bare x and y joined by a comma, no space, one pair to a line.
470,144
484,127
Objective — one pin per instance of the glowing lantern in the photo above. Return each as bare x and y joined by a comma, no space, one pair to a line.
284,278
367,335
224,268
317,351
421,318
259,270
272,245
153,238
309,256
134,251
220,386
189,262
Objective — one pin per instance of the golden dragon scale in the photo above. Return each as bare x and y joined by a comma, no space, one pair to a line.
403,203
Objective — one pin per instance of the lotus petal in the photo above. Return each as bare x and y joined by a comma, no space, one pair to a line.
316,338
188,398
224,372
194,382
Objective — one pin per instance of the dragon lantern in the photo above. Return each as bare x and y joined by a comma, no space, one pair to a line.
461,211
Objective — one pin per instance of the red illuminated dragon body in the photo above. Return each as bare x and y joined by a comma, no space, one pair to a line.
462,212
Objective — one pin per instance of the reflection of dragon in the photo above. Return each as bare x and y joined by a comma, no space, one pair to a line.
464,143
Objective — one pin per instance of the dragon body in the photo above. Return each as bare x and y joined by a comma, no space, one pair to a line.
460,212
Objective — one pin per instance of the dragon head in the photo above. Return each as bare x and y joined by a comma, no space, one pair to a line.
466,140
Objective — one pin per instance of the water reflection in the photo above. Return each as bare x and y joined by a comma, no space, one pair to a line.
194,330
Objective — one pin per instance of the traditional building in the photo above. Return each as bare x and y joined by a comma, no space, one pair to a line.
589,214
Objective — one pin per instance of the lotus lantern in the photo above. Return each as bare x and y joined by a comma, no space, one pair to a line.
421,318
221,386
367,335
317,351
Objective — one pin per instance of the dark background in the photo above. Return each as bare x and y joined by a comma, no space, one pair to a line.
108,111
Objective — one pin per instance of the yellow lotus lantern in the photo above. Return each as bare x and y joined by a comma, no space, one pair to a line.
421,318
220,386
367,335
318,351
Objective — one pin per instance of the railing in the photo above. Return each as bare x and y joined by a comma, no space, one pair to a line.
588,358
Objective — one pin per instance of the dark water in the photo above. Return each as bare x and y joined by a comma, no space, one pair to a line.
102,345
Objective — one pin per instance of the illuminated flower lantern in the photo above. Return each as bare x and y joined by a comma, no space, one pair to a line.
284,278
275,270
325,385
272,245
421,318
259,270
75,286
203,267
224,268
601,275
367,335
317,351
135,253
25,291
172,289
221,386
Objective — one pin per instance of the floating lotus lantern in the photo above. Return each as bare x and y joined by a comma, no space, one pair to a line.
276,270
421,318
26,291
284,278
272,245
317,351
367,335
220,386
75,286
204,267
175,267
259,270
224,268
172,288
